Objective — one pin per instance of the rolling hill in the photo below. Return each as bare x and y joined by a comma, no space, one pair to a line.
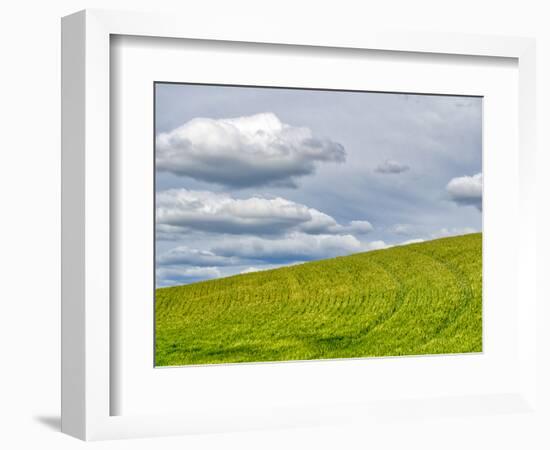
413,299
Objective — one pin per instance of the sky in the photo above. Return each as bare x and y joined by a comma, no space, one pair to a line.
251,178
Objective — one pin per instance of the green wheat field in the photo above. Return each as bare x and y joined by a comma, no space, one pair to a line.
408,300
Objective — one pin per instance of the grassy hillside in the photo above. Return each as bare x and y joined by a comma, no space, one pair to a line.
413,299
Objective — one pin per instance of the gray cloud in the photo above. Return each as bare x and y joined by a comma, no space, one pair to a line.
190,256
390,166
242,152
220,213
466,190
295,247
358,227
167,233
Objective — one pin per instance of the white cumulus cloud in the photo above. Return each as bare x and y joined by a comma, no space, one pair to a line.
466,190
358,227
221,213
242,152
375,245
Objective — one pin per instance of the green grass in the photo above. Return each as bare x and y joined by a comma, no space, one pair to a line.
414,299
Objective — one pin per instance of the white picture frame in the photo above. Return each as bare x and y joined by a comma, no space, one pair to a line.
86,219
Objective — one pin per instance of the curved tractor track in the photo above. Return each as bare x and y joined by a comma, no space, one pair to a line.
408,300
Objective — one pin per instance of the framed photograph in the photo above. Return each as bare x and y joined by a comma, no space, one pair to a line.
274,228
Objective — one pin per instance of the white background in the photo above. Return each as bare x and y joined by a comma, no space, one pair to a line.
29,177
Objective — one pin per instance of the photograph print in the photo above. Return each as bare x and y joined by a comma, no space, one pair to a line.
306,224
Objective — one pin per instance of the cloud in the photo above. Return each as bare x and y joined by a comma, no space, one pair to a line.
242,152
190,256
402,229
185,275
390,166
358,227
252,270
296,247
446,232
466,190
220,213
165,232
375,245
411,241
